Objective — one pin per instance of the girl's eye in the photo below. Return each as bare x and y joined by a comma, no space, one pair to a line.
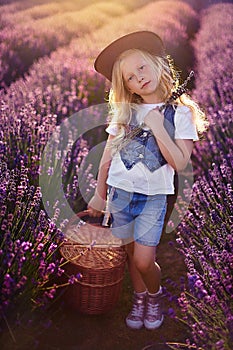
130,78
141,68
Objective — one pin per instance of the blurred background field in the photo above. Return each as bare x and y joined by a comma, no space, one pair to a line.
47,49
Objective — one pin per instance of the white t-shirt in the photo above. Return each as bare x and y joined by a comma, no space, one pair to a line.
140,178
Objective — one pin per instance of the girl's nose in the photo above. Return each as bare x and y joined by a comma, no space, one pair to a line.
140,78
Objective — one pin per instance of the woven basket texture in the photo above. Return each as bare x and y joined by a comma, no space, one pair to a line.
98,256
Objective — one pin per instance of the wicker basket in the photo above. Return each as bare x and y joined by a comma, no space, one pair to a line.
98,256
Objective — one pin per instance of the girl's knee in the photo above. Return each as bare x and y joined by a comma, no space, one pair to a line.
143,265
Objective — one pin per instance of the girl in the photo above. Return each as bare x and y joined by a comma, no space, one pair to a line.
144,148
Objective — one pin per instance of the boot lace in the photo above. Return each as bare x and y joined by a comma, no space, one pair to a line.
152,310
138,307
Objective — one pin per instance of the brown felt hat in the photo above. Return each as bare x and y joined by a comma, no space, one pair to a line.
144,40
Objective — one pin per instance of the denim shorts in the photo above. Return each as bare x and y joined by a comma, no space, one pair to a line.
136,216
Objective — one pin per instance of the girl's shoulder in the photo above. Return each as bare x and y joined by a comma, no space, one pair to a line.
182,109
185,127
183,114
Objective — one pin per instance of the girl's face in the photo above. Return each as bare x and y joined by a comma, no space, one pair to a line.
140,77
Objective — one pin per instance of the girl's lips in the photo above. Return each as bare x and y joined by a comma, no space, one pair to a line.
145,84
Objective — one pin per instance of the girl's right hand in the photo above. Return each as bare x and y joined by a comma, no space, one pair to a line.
96,206
154,120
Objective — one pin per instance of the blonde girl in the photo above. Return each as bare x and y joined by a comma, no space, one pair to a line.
149,139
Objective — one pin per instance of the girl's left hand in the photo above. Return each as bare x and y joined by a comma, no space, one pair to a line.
96,205
154,119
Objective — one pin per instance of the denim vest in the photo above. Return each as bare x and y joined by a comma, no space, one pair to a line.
144,147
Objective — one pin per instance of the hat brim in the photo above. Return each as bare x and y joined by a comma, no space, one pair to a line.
144,40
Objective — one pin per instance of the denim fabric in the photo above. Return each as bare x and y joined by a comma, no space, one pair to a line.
144,147
137,217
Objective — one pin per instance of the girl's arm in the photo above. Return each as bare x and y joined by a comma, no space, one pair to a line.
177,153
98,201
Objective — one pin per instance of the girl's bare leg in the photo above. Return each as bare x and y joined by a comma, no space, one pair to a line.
145,276
136,278
144,271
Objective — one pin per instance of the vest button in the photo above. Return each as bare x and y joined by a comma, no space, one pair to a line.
141,155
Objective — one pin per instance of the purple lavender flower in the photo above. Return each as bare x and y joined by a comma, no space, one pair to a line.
205,233
29,244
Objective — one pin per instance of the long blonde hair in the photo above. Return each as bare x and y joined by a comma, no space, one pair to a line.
122,101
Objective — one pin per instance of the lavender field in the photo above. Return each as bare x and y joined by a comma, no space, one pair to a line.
47,49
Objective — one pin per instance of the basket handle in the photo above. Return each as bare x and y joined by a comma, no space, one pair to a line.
105,213
84,213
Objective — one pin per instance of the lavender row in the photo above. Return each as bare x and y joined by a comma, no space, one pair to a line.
29,244
25,42
26,130
50,26
213,49
206,241
41,8
174,25
205,234
214,83
217,143
31,267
